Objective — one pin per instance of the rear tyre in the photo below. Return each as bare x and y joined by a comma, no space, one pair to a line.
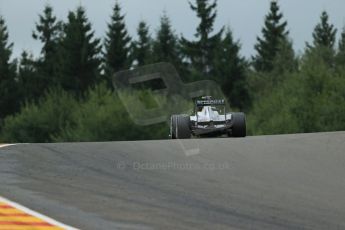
239,128
173,121
180,127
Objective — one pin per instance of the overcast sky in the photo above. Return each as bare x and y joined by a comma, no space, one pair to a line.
244,17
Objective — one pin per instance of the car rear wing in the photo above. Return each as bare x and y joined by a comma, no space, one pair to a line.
201,103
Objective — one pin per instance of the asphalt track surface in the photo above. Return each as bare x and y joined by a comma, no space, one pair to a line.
266,182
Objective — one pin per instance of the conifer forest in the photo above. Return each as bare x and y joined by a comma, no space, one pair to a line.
66,93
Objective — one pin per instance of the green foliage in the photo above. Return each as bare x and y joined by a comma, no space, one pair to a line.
40,122
80,54
324,39
165,45
284,61
311,100
49,31
200,53
323,96
117,43
5,50
8,87
274,33
63,97
230,72
142,48
324,33
271,112
58,116
340,58
146,102
29,80
103,118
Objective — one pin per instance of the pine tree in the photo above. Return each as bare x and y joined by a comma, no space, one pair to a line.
48,30
324,33
8,87
273,34
285,60
28,78
165,45
342,42
231,72
117,43
80,61
142,48
5,51
201,52
324,36
341,49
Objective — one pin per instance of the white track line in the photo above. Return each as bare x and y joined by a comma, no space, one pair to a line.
5,145
36,214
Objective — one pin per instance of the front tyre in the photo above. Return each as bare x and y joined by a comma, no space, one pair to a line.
239,128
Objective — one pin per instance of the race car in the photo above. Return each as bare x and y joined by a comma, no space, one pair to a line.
209,119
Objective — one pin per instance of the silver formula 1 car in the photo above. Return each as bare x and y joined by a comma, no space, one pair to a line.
209,119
